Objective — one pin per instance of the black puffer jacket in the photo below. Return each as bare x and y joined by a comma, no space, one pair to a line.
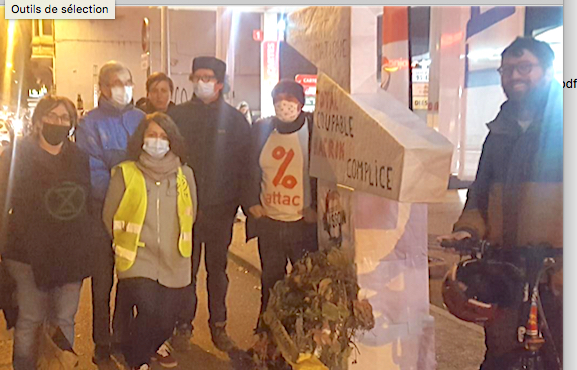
217,137
48,226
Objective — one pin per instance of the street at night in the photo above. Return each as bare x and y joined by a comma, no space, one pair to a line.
365,187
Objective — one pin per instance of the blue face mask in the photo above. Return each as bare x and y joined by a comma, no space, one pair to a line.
156,147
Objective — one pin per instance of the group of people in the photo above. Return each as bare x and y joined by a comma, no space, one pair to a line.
140,191
143,190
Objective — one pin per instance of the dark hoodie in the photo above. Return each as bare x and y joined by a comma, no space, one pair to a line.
48,226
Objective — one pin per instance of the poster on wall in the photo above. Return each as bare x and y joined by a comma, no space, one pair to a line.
309,83
395,60
336,221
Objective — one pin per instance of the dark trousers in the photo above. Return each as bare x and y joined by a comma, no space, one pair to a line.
278,243
503,348
213,229
120,320
102,280
156,312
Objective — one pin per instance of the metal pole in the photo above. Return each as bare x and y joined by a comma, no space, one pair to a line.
149,68
95,86
164,41
146,46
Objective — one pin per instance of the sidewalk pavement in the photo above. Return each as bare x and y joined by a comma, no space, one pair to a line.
441,217
459,344
242,253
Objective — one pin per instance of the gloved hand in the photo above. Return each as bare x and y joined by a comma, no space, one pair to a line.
457,235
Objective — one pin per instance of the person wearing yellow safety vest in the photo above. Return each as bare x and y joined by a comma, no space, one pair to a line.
149,210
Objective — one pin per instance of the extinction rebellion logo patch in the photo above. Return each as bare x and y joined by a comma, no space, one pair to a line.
65,201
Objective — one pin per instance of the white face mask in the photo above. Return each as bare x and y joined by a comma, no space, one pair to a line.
287,111
121,95
204,90
156,147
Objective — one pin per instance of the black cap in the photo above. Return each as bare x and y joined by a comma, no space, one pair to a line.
291,88
212,63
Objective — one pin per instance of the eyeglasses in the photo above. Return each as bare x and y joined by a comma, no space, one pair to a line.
202,78
121,84
523,69
54,118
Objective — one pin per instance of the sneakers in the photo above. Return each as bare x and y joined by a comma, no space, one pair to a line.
141,367
180,340
101,355
220,339
164,357
117,353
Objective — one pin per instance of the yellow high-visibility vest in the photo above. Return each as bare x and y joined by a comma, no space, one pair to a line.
129,216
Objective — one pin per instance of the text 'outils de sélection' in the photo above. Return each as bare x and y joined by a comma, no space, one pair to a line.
71,9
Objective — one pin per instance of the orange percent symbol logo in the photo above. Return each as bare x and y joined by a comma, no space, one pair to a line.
288,181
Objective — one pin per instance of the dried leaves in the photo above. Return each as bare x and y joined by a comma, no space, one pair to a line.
315,312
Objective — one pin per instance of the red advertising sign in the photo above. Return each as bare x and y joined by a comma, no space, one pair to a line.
270,61
309,83
257,35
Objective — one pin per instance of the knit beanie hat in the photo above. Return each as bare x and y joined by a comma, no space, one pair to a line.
291,88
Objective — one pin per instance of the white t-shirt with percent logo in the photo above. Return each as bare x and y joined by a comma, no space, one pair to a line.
285,186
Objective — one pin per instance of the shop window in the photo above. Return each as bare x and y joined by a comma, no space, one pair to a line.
43,28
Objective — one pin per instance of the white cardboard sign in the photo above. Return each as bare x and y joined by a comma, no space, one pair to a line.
372,143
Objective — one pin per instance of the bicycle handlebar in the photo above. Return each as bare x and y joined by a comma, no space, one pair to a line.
467,245
474,247
533,260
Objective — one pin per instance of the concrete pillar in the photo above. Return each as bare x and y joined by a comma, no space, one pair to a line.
226,27
390,232
269,62
341,42
164,41
223,23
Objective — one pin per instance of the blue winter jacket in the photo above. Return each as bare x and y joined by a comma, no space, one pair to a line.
103,134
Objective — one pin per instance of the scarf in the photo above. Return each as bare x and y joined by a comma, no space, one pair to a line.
158,169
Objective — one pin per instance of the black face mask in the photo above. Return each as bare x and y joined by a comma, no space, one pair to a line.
54,134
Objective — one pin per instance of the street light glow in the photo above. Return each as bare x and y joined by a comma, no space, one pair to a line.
18,126
9,61
281,25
